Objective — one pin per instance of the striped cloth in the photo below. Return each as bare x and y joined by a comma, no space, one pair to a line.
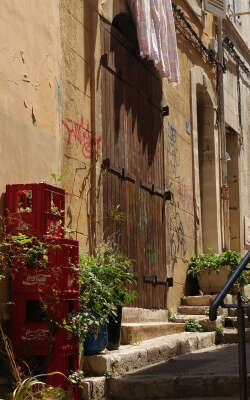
156,35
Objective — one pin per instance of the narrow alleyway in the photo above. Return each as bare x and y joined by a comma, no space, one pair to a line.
208,372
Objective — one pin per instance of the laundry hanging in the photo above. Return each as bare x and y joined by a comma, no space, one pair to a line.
156,35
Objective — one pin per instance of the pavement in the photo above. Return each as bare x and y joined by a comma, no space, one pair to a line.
204,374
221,360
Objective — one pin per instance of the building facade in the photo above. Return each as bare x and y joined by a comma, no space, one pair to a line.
144,164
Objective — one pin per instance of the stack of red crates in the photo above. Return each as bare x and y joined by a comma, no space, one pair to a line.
38,210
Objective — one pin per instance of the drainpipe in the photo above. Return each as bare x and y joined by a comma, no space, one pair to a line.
222,132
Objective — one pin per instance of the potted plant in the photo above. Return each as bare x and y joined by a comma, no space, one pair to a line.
213,270
102,280
118,276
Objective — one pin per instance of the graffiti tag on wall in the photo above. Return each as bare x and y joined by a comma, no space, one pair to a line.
173,151
81,134
176,234
184,196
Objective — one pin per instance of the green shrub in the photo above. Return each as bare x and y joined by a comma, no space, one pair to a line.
192,325
213,261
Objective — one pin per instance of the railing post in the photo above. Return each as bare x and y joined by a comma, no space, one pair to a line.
242,349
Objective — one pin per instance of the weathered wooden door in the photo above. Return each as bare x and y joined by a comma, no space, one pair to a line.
133,161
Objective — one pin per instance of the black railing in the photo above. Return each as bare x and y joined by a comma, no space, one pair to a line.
219,301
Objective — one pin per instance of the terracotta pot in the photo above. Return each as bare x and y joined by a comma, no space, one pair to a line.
211,281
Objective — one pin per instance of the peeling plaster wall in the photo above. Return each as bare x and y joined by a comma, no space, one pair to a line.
29,85
30,79
79,32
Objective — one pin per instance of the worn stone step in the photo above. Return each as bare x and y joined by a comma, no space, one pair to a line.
205,300
202,319
132,332
232,322
232,312
208,373
231,335
199,310
152,387
134,357
133,314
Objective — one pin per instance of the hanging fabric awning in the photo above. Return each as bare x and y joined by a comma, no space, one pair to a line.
156,35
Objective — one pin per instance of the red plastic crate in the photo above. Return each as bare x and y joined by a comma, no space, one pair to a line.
35,209
59,280
61,276
30,332
65,361
36,339
28,308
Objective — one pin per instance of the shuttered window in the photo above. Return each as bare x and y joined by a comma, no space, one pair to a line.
216,7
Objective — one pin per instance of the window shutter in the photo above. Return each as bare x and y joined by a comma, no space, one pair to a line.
216,7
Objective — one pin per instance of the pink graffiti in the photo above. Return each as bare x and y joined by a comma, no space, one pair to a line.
81,133
185,197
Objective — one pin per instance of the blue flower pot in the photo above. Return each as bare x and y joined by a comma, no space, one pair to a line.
95,344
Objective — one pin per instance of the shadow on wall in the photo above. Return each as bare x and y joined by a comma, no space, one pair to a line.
137,88
90,12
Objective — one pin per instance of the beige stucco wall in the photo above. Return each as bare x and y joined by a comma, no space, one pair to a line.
29,83
237,99
50,114
79,32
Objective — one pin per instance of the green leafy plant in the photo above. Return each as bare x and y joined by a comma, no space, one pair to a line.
32,388
22,250
192,325
77,378
214,261
103,286
219,334
109,374
171,315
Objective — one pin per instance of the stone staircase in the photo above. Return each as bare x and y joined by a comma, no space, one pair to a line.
142,324
158,361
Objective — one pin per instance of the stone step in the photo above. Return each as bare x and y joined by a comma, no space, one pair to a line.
132,332
152,387
232,322
202,319
231,336
134,357
232,312
205,300
208,373
205,398
199,310
133,314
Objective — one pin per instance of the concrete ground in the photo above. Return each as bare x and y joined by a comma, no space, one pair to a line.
222,360
205,374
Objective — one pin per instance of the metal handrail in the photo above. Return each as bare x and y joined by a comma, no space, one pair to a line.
219,301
